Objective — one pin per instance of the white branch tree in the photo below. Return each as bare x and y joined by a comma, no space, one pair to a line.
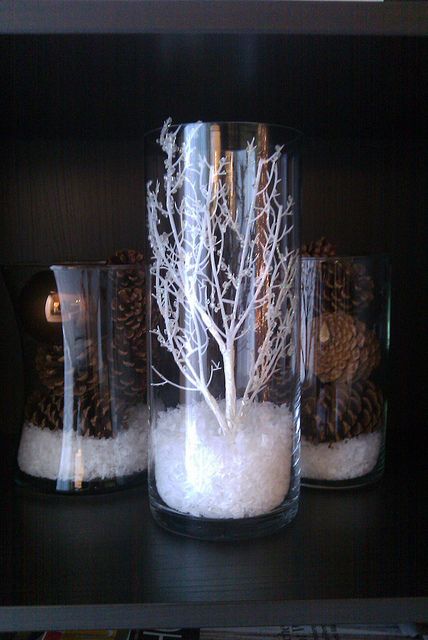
200,296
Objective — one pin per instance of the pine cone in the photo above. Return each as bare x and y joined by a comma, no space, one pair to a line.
128,278
128,367
126,256
45,411
369,357
49,363
50,367
92,414
321,248
98,418
362,287
341,286
341,411
344,349
128,353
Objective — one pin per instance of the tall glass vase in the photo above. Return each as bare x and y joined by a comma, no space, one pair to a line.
83,334
345,342
223,211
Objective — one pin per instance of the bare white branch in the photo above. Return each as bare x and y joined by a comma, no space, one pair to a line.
203,293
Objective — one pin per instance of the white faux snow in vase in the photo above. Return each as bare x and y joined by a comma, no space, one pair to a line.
41,452
206,473
344,460
345,311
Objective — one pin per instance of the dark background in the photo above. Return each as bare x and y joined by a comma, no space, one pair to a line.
74,109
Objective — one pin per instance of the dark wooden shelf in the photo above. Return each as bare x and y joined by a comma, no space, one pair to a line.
101,562
82,81
393,17
73,87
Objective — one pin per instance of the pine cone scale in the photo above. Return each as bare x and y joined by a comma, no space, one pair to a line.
128,355
344,349
340,411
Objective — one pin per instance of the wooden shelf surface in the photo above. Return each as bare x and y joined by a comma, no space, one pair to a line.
391,17
101,562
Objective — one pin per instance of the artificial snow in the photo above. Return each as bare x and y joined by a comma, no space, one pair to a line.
65,454
345,460
203,472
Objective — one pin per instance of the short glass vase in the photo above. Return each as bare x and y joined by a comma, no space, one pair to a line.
345,311
83,336
223,208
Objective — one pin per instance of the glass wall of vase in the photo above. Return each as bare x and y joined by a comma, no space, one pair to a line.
223,212
83,335
345,341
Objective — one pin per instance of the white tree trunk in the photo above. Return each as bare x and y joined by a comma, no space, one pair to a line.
230,386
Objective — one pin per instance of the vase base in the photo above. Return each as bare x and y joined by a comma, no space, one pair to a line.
340,476
70,487
351,483
227,529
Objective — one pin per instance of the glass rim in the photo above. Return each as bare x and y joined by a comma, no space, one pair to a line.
298,133
93,266
349,256
88,264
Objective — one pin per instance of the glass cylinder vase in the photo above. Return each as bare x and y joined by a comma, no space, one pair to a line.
223,210
345,340
83,335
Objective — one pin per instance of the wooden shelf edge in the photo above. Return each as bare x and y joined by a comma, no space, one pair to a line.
214,16
215,614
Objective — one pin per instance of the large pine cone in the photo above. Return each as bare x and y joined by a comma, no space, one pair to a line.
129,278
50,367
126,256
344,286
341,411
344,349
99,418
128,354
320,248
369,357
49,363
362,287
45,410
339,285
93,414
